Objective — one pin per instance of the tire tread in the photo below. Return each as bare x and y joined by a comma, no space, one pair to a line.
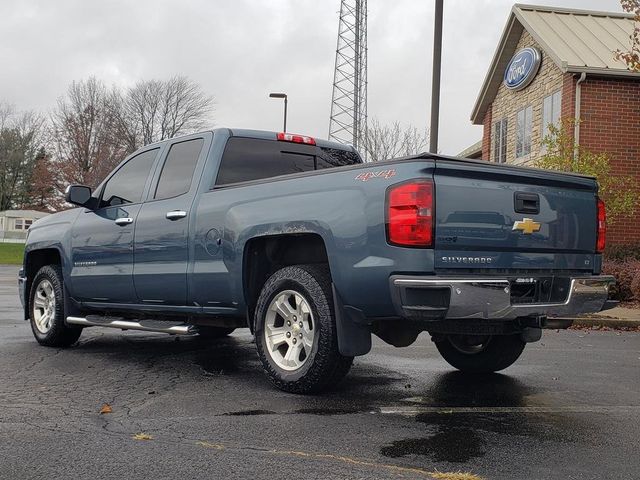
329,366
60,335
501,352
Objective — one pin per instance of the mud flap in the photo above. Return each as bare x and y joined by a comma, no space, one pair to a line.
354,335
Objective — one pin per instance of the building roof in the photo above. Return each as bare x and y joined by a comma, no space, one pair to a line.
23,213
576,40
472,151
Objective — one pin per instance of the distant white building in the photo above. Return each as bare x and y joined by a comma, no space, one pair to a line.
15,223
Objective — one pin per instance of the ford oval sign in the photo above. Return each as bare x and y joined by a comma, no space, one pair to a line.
522,68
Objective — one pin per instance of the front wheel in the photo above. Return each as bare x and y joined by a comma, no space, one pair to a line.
46,309
296,330
480,353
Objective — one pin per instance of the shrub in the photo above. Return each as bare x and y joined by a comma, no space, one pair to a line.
627,274
622,252
635,286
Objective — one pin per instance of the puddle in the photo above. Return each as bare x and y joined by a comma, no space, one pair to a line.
458,432
302,411
249,413
458,389
455,445
333,411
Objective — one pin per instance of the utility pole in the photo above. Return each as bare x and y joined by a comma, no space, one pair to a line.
435,78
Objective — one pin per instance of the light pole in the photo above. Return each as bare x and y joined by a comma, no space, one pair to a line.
435,82
282,95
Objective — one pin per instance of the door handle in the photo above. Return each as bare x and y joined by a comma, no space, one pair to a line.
124,221
176,214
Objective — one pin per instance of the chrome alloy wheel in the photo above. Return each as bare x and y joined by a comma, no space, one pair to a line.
289,330
44,306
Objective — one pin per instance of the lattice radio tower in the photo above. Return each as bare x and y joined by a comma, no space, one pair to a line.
349,102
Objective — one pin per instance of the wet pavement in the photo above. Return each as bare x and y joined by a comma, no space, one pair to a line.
569,409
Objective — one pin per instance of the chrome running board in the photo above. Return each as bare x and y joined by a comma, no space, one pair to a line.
158,326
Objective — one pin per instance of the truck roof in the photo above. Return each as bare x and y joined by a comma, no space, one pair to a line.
264,135
271,135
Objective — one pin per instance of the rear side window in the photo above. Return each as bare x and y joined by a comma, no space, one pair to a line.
246,159
127,184
177,171
332,157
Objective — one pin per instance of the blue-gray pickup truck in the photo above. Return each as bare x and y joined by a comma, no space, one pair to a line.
314,251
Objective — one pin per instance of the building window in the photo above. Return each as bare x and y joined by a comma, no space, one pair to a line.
500,141
523,132
550,112
23,223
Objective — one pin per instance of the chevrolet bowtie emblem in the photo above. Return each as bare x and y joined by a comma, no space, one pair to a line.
527,225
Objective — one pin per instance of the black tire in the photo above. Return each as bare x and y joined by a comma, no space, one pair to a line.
59,334
325,366
214,332
495,353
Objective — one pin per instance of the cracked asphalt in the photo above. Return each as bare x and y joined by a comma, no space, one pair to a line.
569,409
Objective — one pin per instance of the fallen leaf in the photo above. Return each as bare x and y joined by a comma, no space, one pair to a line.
454,476
106,408
215,446
142,436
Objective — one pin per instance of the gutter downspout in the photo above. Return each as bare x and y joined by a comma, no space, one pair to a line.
576,126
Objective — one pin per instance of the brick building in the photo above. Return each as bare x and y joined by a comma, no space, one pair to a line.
557,63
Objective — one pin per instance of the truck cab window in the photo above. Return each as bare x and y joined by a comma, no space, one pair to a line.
246,159
178,169
127,184
332,157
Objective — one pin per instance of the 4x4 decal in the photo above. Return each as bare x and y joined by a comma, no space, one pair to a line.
366,176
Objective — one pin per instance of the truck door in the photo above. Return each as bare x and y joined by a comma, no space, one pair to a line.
161,244
102,239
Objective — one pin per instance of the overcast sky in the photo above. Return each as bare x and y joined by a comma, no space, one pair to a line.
240,50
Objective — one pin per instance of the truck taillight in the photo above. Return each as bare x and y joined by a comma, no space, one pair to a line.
410,214
294,138
602,227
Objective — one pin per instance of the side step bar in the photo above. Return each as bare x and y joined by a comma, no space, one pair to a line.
158,326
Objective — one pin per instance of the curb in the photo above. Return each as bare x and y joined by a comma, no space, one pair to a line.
606,322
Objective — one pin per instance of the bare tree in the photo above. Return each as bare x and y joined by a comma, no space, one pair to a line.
21,137
87,145
381,142
44,192
154,110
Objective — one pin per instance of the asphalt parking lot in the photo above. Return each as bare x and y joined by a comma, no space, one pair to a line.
186,408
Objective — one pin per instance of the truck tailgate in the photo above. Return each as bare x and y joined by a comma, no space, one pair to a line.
512,218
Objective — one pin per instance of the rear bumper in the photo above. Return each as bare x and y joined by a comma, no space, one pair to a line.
441,298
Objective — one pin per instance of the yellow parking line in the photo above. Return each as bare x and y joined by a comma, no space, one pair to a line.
363,463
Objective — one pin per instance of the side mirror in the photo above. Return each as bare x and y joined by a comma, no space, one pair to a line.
79,195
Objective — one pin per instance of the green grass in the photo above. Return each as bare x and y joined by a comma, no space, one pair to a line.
11,253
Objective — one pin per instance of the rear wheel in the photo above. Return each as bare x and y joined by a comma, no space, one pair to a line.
296,330
480,353
46,309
